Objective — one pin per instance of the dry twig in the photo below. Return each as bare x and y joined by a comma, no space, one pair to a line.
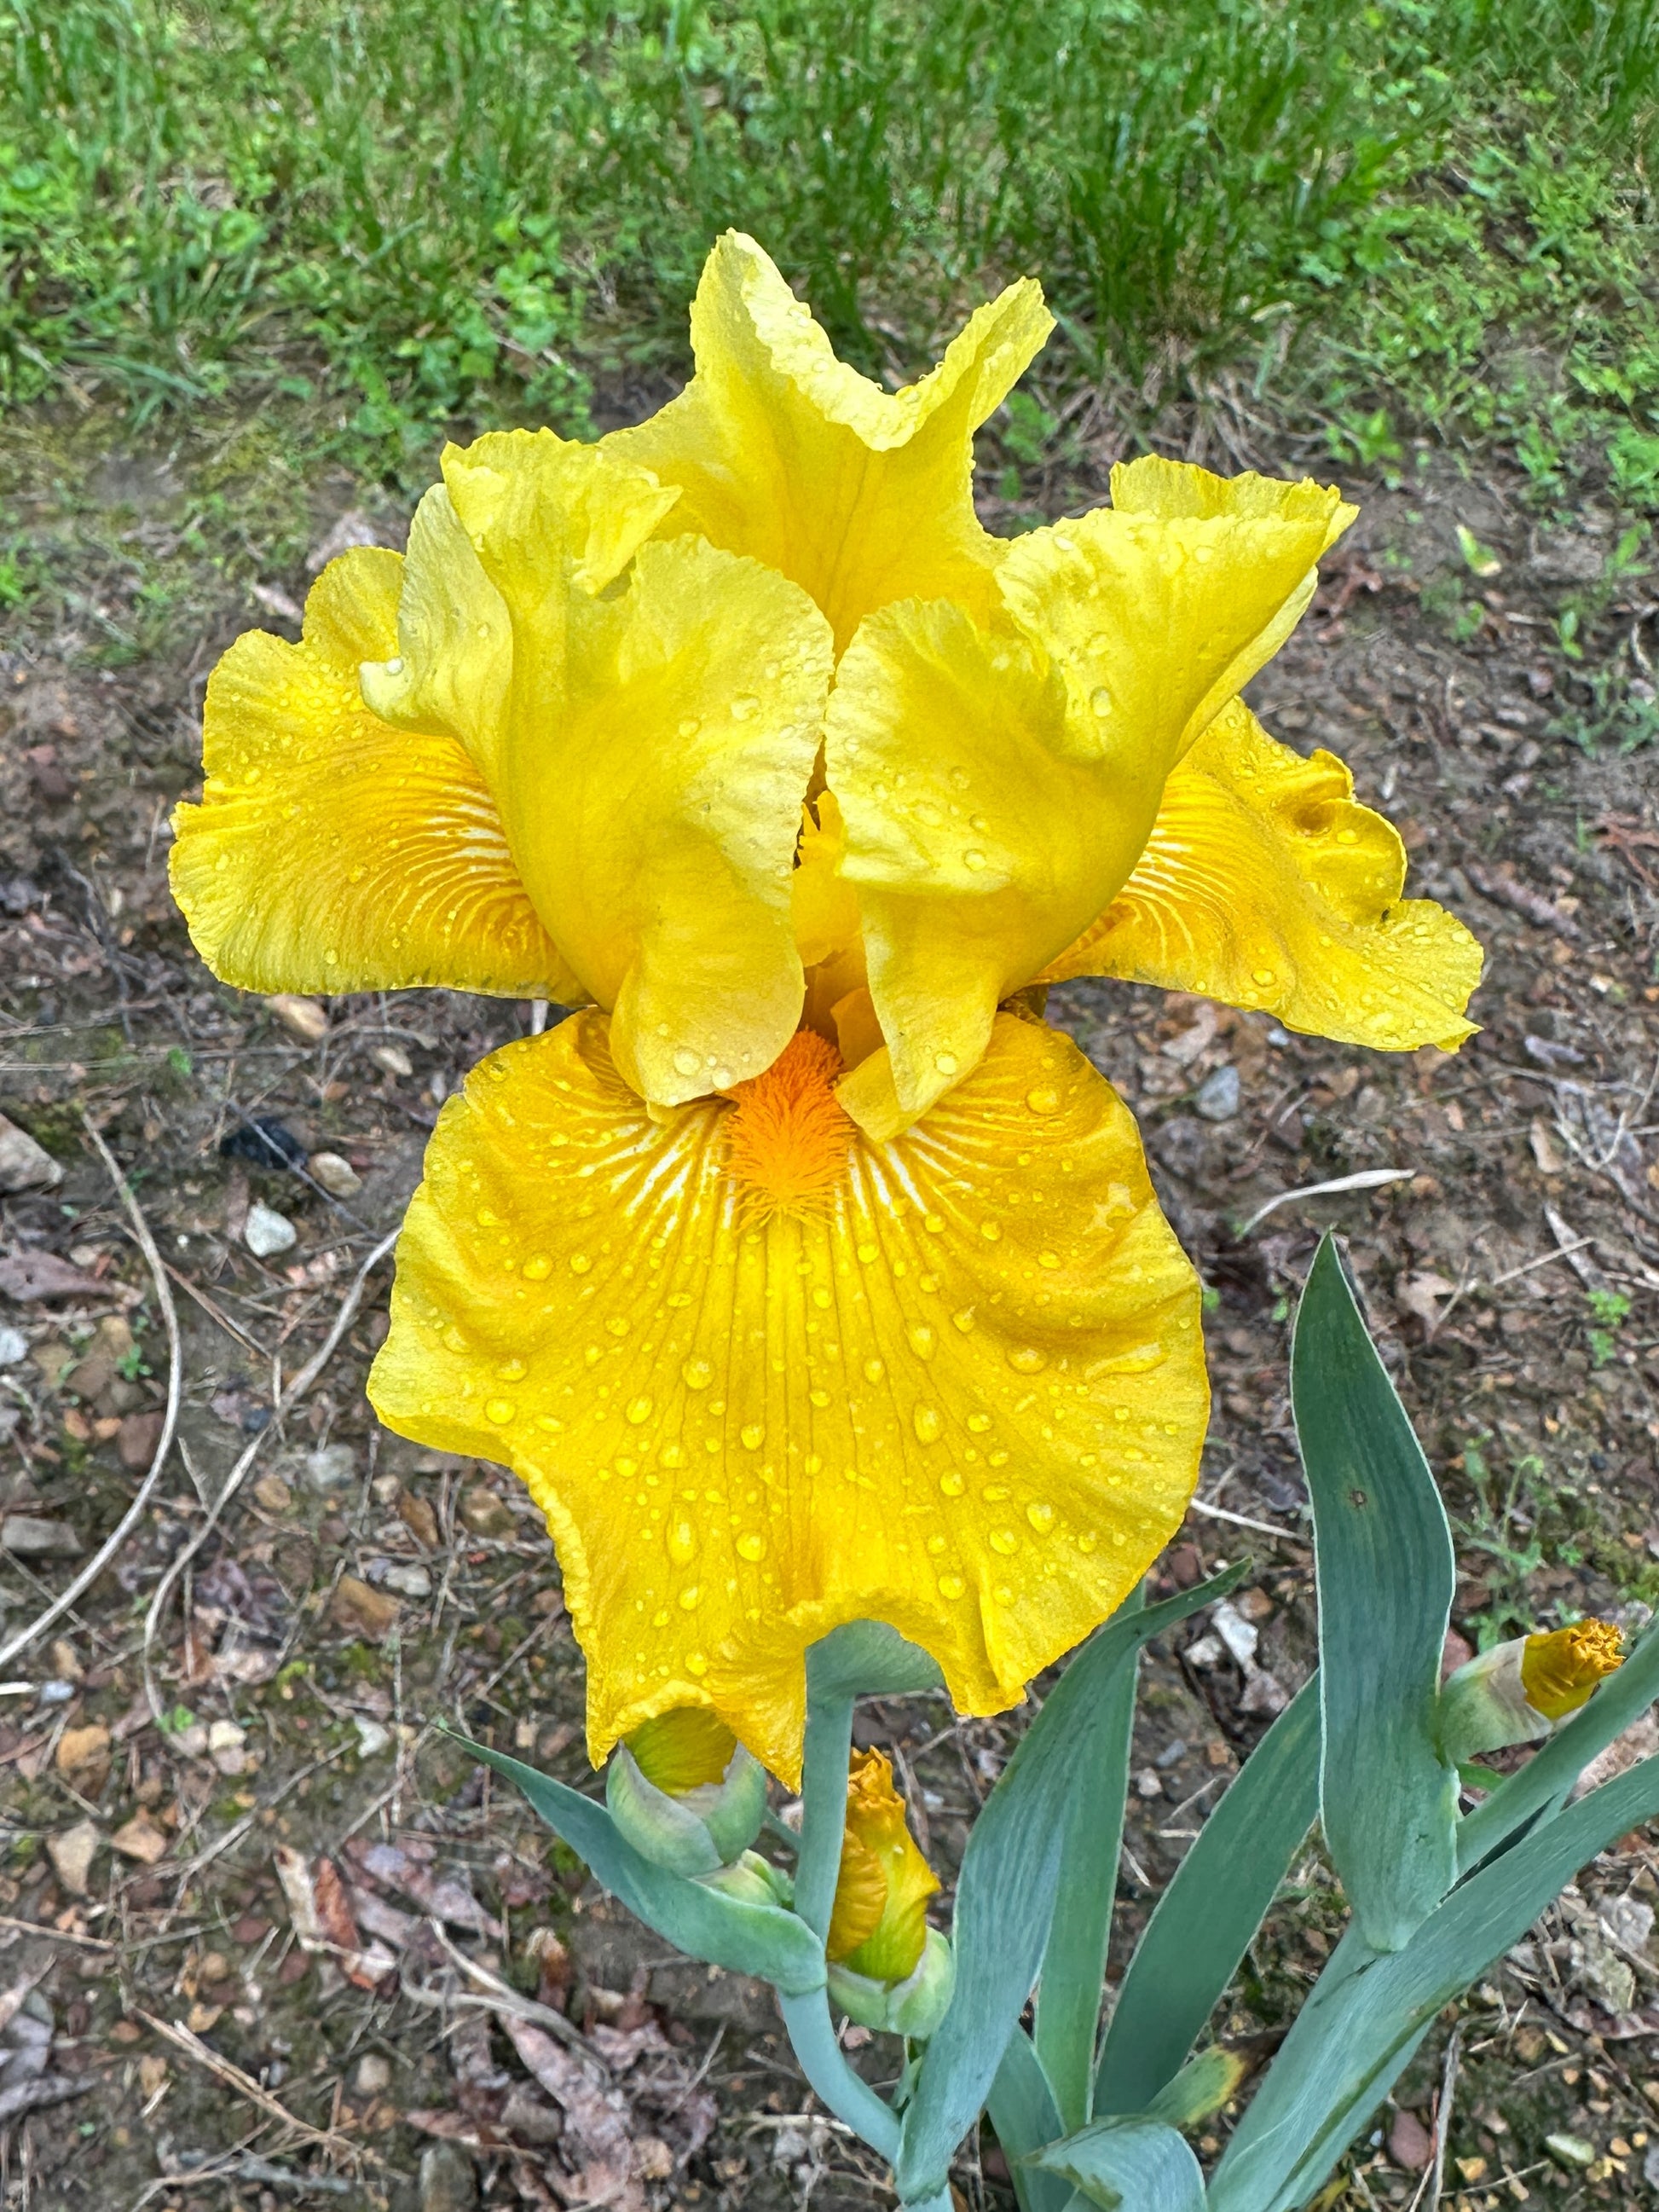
129,1520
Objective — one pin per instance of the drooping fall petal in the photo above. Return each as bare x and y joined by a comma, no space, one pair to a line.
959,1387
860,496
333,852
1264,884
997,789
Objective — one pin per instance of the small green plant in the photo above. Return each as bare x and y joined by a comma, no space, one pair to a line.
1610,1311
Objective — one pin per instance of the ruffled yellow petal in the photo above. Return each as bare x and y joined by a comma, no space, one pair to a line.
1263,884
959,1387
860,495
656,818
333,852
998,788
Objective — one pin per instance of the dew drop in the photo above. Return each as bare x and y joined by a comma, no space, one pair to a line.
1048,1259
952,1482
639,1411
933,1224
752,1436
744,706
1261,974
695,1663
867,1252
1042,1100
1003,1593
973,859
979,1422
751,1545
1003,1541
1041,1514
963,1321
1101,702
936,1545
1088,1542
945,1063
696,1375
990,1231
580,1263
499,1410
923,1342
538,1268
818,1398
686,1062
928,1423
1026,1359
690,1597
951,1586
873,1371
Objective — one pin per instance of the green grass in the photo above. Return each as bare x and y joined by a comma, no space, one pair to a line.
430,211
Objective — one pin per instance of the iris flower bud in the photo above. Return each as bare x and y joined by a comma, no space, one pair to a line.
887,1969
685,1793
1521,1690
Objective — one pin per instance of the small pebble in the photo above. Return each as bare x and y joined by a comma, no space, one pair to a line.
336,1177
305,1019
1218,1095
25,1166
448,2182
14,1347
374,2075
331,1466
392,1059
26,1536
266,1233
407,1580
371,1738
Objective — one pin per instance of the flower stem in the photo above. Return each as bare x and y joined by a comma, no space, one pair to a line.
823,1821
833,2081
824,1808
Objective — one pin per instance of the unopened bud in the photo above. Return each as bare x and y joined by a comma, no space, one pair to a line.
878,1928
914,2007
685,1793
751,1879
1521,1690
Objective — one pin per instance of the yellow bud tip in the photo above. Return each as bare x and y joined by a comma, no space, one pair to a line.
1559,1668
879,1924
683,1750
787,1135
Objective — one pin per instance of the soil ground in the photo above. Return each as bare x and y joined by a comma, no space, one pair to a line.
288,1945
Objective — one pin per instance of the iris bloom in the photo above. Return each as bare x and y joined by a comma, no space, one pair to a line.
805,1276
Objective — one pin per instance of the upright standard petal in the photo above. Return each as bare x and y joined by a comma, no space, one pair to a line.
1263,884
860,496
998,786
764,1377
333,852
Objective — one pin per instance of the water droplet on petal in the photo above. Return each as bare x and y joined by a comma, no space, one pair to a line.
951,1586
538,1268
1003,1541
990,1231
744,706
695,1663
1048,1259
945,1063
580,1263
923,1342
696,1374
639,1411
686,1062
753,1436
1041,1514
928,1423
690,1597
682,1543
751,1545
973,859
1261,975
952,1482
873,1371
1101,702
499,1410
1026,1359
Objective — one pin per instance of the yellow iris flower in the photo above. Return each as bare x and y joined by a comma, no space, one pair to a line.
806,1277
